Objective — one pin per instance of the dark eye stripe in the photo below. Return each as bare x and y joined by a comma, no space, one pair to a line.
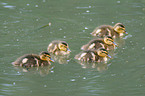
48,56
110,40
105,52
64,44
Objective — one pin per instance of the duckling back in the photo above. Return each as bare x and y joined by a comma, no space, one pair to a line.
103,30
30,60
94,44
53,46
88,56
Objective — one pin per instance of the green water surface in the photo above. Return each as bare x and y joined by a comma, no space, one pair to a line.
71,21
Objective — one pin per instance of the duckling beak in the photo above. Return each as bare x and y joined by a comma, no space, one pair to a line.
125,32
109,56
114,43
68,50
51,60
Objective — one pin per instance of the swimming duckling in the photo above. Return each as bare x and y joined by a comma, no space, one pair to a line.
58,48
107,43
107,30
99,55
33,60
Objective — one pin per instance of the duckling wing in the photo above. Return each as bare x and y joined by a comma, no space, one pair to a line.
103,30
28,60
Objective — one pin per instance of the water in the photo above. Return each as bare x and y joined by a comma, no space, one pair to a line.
72,21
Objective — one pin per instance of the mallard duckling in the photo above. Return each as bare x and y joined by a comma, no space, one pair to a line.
33,60
58,48
107,30
107,43
99,55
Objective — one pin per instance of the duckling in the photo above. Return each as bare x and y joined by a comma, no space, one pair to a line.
107,43
33,60
107,30
99,55
58,48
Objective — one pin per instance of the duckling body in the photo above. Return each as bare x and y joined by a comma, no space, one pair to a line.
58,48
106,43
99,55
107,30
33,60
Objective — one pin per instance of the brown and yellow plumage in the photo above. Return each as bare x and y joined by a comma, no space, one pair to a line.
107,30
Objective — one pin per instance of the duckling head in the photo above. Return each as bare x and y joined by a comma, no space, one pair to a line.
45,56
109,40
63,46
103,52
120,28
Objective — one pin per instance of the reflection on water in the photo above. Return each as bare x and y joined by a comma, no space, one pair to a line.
61,59
94,66
43,71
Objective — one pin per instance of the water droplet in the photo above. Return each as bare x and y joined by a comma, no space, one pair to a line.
91,20
84,77
118,1
89,6
113,74
36,5
64,36
86,28
14,83
72,80
37,19
4,3
52,71
49,23
28,4
68,60
143,9
5,26
45,85
87,11
143,48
